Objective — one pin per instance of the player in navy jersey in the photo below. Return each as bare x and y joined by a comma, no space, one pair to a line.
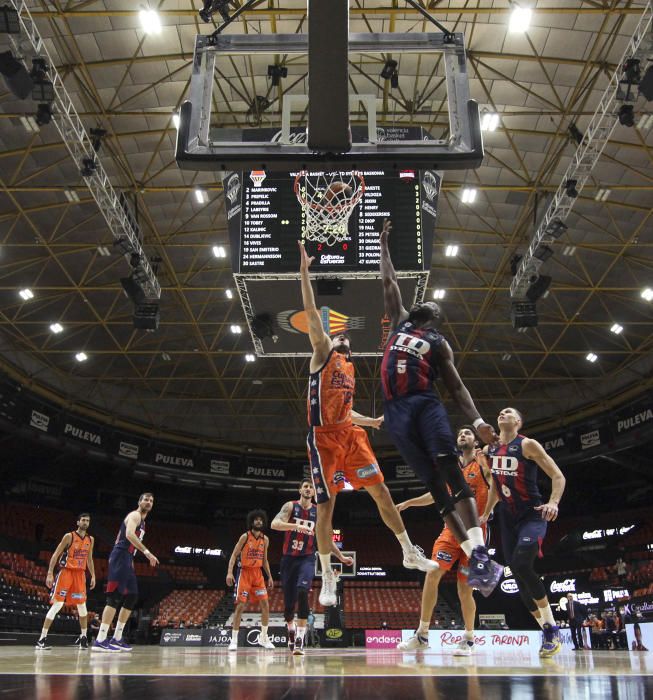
122,587
297,519
415,356
523,516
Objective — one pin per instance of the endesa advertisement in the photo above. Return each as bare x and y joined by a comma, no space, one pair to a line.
383,639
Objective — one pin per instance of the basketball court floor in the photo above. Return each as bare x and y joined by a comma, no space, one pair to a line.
349,673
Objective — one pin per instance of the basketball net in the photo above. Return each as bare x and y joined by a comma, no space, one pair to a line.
327,201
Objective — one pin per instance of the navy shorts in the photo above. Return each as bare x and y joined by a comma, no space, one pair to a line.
419,427
121,577
521,533
296,573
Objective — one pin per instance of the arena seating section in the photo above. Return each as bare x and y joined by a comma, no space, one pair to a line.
190,607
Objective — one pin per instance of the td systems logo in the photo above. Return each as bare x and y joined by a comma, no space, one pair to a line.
382,639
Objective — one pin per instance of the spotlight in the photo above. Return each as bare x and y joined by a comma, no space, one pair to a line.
555,228
489,121
523,314
632,71
146,316
98,135
627,115
276,73
570,188
539,288
514,263
88,167
389,69
211,6
42,88
9,23
16,76
43,114
134,260
133,290
543,252
394,80
575,133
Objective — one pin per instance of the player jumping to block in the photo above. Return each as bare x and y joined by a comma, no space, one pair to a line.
415,356
338,449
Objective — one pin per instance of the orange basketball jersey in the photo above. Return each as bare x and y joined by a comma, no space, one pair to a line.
76,555
251,555
480,488
331,392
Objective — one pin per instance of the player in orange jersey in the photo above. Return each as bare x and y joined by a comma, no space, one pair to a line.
74,554
252,546
338,449
447,551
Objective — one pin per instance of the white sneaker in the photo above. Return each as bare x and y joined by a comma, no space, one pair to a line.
414,559
415,642
464,648
328,593
233,645
264,641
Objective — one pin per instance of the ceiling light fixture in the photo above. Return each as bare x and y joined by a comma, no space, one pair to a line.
175,120
647,294
645,122
150,21
520,19
249,357
71,195
617,329
439,293
451,251
602,195
219,251
236,329
468,195
26,294
569,250
81,357
29,124
228,293
56,328
591,357
201,196
489,121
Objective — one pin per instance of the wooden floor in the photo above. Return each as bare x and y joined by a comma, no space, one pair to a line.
151,672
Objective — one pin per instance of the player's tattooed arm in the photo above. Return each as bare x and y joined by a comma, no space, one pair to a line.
281,521
534,450
394,307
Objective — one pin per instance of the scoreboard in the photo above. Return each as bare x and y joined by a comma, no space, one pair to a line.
266,221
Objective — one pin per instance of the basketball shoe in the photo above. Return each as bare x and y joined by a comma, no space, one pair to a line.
299,647
265,642
42,645
551,642
328,592
81,642
465,647
484,573
414,643
414,559
120,644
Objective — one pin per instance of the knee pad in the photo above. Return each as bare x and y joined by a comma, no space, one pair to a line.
130,601
438,489
288,614
81,610
54,609
525,595
522,562
302,604
114,599
453,475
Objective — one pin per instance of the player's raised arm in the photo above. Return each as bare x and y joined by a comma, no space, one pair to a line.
320,341
461,395
394,308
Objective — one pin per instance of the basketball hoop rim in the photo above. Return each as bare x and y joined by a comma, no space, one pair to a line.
337,208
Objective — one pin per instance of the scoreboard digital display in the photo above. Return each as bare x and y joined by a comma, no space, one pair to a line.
266,221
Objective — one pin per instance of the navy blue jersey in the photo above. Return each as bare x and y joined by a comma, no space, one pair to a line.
516,478
122,543
410,361
297,544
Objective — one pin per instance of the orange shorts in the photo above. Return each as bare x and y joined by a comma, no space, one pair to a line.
339,456
447,551
69,587
251,585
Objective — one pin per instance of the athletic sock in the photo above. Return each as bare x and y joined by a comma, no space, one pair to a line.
264,630
423,629
102,634
469,635
291,626
546,615
83,630
466,546
325,561
44,634
120,626
475,535
539,620
301,631
404,541
234,634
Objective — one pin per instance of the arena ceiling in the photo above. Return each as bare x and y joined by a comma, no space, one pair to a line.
190,376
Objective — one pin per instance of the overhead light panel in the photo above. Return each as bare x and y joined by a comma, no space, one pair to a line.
602,195
468,195
250,357
150,21
645,122
26,294
451,251
56,328
489,121
506,356
617,329
201,195
439,293
591,357
81,357
569,250
71,195
647,294
103,251
228,293
520,20
236,329
29,124
219,251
